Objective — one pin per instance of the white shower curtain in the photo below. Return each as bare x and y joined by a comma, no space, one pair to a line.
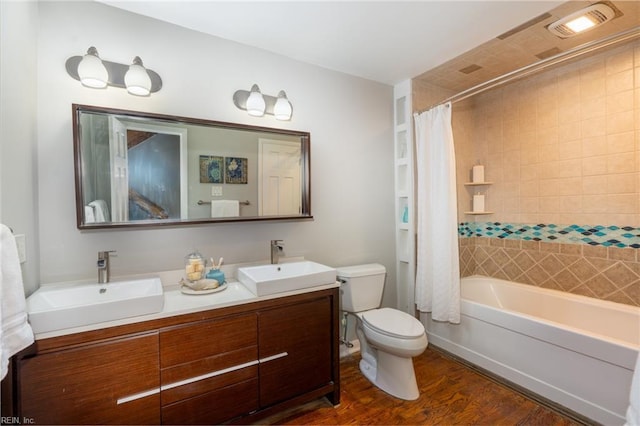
438,272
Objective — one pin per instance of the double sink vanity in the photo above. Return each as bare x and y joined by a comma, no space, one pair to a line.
140,351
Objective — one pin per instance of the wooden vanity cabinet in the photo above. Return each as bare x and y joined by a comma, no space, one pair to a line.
233,364
99,383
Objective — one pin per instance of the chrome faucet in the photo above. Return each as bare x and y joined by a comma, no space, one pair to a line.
276,251
103,266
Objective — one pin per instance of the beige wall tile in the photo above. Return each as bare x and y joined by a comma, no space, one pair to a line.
620,163
595,204
619,102
594,146
593,107
622,203
619,62
626,183
594,165
620,82
620,122
620,142
594,184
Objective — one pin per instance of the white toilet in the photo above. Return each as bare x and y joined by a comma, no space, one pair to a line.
389,338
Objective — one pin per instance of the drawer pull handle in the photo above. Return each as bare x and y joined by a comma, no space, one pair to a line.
137,396
272,357
208,375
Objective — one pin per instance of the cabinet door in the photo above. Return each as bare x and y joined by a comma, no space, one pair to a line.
295,350
113,382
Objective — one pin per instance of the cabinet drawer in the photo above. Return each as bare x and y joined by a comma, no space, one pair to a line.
214,407
185,344
114,382
201,386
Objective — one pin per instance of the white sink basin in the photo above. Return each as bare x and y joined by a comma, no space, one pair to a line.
69,305
270,279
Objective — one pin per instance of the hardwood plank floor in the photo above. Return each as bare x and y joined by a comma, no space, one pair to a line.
450,394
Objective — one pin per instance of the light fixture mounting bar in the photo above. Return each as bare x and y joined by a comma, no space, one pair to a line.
116,73
240,100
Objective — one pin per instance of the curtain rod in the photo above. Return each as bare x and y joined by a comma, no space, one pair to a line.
621,37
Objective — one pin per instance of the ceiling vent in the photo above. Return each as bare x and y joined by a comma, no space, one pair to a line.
582,20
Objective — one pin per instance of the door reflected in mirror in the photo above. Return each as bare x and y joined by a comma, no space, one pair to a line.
143,169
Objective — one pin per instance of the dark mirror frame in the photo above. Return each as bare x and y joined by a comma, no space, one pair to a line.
305,137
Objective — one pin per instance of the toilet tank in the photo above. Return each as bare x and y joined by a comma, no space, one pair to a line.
361,286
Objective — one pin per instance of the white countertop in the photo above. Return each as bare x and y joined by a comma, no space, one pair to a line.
178,303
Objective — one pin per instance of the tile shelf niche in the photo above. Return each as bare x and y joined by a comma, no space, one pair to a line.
478,184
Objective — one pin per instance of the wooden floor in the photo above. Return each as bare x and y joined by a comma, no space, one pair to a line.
450,394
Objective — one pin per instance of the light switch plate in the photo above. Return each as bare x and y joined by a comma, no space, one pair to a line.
22,250
216,191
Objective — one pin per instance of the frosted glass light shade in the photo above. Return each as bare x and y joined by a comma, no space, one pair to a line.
137,79
92,71
255,102
282,109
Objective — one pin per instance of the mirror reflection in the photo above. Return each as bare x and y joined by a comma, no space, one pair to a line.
141,169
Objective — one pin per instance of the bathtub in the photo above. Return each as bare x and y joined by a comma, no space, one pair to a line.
576,351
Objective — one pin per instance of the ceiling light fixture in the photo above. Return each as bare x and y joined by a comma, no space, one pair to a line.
94,72
583,20
258,104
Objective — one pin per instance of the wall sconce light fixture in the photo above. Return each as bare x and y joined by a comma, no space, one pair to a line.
257,104
94,72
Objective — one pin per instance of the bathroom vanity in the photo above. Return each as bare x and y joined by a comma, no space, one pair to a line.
235,363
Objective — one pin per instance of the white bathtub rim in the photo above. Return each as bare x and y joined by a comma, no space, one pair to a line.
548,391
570,338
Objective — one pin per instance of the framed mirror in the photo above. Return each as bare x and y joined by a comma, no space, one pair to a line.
136,169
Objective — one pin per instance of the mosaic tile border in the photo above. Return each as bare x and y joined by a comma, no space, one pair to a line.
597,235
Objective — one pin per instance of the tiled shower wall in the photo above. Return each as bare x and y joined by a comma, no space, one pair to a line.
561,148
608,273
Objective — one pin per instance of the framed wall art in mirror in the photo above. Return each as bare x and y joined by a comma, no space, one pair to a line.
138,169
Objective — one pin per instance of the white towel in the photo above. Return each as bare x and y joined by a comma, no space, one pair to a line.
100,211
15,333
633,412
89,217
225,208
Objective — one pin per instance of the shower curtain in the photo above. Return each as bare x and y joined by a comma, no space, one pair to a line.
438,272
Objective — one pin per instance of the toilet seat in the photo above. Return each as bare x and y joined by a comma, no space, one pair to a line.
393,323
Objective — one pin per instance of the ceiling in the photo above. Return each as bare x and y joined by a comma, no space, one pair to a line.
384,41
526,45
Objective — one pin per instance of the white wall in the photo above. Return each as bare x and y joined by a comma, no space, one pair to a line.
18,91
350,121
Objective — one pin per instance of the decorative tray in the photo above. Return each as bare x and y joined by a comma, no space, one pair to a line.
187,290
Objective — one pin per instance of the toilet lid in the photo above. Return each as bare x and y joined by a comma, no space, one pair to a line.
393,322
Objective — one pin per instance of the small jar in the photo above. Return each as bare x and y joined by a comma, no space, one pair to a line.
194,266
216,274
